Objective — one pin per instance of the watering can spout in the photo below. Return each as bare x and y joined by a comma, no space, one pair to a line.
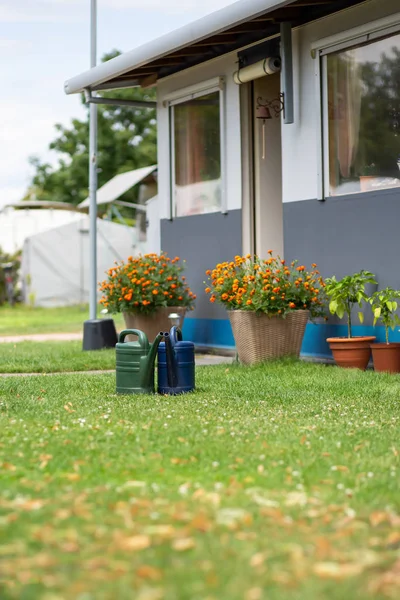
148,362
172,367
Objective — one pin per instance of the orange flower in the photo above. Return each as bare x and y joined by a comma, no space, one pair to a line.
208,272
249,302
155,292
292,305
207,290
224,296
213,299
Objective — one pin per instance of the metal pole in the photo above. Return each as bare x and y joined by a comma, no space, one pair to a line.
93,173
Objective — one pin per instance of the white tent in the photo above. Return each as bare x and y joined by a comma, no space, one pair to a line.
17,225
55,269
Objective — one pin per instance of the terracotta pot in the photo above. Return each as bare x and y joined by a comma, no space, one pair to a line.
152,324
351,353
386,357
366,182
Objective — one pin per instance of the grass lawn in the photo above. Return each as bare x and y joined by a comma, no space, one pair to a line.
270,482
23,320
51,357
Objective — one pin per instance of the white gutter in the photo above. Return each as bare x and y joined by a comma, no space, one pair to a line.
230,16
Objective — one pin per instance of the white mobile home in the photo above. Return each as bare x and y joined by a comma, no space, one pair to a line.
278,127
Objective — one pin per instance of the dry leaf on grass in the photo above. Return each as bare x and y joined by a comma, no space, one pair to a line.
149,572
133,543
331,570
183,544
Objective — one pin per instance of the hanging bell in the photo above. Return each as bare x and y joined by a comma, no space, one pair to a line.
263,112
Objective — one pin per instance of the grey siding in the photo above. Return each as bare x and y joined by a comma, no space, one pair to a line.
344,235
203,241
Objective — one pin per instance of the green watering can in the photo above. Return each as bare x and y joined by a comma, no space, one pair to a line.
135,363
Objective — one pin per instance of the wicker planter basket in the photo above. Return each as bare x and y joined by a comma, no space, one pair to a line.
152,324
259,337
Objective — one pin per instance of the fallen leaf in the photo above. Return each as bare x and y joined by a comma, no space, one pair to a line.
296,499
163,531
331,570
254,594
232,516
393,541
258,559
8,466
149,572
136,542
132,484
378,517
150,594
183,544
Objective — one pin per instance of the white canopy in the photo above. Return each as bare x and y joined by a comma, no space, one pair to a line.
55,269
120,184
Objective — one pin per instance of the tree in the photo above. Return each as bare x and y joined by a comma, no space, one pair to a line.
127,139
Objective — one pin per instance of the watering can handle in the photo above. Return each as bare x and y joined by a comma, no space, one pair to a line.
175,335
142,336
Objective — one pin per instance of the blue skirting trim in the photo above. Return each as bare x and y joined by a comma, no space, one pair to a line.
217,333
209,332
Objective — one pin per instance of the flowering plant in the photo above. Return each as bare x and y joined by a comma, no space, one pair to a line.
269,286
146,283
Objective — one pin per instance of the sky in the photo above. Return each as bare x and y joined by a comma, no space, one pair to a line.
45,42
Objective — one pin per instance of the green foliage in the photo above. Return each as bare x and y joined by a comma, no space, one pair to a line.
268,286
384,307
145,284
7,259
347,292
369,170
127,139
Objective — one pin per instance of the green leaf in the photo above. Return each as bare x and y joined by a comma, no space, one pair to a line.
340,312
377,312
361,317
333,306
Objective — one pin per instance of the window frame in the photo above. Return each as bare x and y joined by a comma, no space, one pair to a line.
180,97
320,50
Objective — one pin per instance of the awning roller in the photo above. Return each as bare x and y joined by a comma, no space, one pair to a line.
267,66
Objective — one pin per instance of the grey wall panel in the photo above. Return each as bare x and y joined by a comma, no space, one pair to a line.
344,235
203,241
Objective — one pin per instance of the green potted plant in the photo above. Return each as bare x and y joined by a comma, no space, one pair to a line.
269,303
147,289
384,305
350,352
367,174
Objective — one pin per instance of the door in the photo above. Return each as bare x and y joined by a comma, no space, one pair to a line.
262,169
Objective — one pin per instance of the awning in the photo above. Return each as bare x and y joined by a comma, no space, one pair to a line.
120,184
231,28
43,204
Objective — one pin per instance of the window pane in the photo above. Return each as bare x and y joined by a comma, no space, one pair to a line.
364,117
197,156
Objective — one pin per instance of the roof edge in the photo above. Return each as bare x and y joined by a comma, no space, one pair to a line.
212,24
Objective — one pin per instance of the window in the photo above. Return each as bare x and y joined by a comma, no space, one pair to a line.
196,151
362,104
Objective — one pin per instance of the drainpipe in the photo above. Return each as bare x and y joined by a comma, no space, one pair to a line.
287,71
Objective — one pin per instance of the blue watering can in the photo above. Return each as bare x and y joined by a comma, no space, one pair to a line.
176,372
